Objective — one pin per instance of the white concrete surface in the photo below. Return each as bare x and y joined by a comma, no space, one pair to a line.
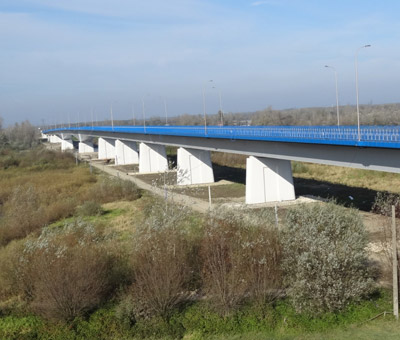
82,138
106,148
152,158
126,152
54,139
194,167
268,180
84,147
66,144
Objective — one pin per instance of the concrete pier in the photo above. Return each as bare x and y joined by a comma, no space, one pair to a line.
126,152
194,167
85,147
54,139
268,180
152,158
66,144
106,148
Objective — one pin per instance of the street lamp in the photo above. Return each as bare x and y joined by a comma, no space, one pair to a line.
112,117
204,106
144,115
133,115
337,96
358,109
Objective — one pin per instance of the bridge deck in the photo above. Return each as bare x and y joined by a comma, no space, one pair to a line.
371,136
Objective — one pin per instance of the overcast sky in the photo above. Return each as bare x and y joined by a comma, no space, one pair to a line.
60,58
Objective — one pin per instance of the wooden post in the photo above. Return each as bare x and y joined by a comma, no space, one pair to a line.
395,274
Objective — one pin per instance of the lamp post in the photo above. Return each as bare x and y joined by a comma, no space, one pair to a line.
112,117
204,106
133,115
337,96
144,116
358,109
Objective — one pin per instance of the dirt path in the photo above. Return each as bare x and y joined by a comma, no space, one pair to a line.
194,203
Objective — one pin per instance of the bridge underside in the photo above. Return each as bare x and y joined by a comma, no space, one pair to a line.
268,169
379,159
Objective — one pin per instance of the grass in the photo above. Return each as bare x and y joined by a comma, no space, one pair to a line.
375,180
385,328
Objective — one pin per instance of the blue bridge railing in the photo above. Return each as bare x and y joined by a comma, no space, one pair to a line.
370,136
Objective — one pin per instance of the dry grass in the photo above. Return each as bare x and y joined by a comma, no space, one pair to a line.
376,180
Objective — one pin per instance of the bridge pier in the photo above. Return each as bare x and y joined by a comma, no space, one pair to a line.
54,139
86,146
268,180
126,152
152,158
194,167
106,148
66,144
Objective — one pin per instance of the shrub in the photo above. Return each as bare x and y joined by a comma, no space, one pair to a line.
22,214
67,271
109,189
325,261
383,204
10,300
162,261
241,259
89,208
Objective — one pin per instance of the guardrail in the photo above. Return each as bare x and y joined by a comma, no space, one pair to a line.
382,136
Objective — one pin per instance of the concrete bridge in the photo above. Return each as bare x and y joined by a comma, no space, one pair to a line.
270,149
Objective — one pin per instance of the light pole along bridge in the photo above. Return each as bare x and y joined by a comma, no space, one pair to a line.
270,150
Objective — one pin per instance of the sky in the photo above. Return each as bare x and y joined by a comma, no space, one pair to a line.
61,60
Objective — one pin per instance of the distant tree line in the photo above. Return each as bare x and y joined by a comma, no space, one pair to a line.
383,114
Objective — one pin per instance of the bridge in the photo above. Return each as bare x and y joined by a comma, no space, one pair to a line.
270,149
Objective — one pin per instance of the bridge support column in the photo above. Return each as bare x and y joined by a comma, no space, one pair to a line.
194,167
85,146
152,158
126,152
54,139
268,180
66,144
106,148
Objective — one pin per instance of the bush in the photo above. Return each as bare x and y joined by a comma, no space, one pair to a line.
109,189
89,208
67,271
162,261
383,204
22,214
325,261
241,259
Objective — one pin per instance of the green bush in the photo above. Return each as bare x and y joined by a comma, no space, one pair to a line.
325,261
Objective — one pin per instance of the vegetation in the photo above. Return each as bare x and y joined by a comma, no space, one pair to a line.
325,261
241,260
71,268
384,114
20,136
